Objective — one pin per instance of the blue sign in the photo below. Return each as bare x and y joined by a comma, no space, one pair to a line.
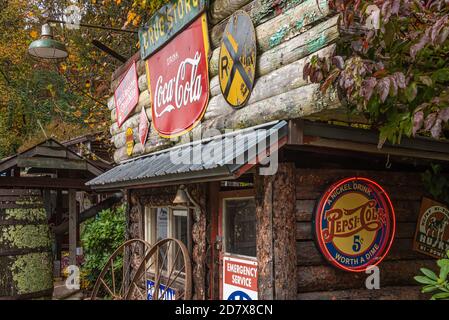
168,295
239,295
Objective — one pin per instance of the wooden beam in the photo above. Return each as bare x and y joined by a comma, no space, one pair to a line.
51,163
73,226
48,152
323,130
43,183
18,192
89,213
8,164
370,148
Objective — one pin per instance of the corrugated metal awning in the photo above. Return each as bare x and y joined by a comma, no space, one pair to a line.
220,157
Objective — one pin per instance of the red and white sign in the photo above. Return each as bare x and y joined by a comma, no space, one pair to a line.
239,279
126,95
144,127
178,79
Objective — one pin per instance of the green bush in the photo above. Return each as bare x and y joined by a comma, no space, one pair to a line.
434,283
101,236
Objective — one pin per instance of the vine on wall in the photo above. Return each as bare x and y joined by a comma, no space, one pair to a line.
392,65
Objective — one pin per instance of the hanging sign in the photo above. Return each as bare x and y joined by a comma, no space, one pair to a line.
354,224
178,80
432,229
129,141
144,127
239,279
237,62
126,96
166,23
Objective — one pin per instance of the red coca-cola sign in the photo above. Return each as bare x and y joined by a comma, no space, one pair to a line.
178,79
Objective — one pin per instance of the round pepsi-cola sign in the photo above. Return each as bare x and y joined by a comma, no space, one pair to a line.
354,224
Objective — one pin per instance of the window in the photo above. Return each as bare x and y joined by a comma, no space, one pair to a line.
166,222
161,223
179,231
240,226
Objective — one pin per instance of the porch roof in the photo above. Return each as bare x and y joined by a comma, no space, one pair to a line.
220,157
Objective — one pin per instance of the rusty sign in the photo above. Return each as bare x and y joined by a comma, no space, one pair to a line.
166,23
144,127
354,224
432,229
126,95
129,141
237,62
178,80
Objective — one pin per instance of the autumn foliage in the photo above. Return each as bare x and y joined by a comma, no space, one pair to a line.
392,65
67,98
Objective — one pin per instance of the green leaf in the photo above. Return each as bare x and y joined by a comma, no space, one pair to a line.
411,91
441,295
443,272
424,280
426,80
441,75
429,288
429,273
443,262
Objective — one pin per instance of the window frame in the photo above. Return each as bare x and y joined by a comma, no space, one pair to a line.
224,227
150,226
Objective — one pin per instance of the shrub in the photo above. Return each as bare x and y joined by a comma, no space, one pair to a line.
101,236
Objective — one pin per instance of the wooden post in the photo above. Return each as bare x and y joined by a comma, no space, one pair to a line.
73,223
276,233
214,258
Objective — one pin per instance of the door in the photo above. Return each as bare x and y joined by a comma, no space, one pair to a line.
237,231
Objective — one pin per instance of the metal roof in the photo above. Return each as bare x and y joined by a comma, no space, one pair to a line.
220,157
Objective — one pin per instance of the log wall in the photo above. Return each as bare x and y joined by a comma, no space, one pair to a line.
288,33
317,279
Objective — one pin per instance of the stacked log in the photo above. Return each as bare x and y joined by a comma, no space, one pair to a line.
288,34
317,279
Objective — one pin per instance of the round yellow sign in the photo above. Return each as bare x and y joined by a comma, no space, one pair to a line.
354,224
237,62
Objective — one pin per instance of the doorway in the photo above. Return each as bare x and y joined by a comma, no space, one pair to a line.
238,252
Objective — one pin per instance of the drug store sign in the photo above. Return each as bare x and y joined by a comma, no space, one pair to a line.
239,279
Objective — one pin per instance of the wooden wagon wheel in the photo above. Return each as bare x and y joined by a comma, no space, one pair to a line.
118,267
164,274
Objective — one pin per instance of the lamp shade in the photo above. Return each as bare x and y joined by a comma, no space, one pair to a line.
46,47
181,197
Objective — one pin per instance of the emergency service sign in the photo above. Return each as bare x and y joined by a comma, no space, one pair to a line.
239,279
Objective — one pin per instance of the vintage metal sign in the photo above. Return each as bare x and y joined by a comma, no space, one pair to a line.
239,279
237,62
432,229
166,23
144,127
354,224
178,79
126,96
169,294
129,141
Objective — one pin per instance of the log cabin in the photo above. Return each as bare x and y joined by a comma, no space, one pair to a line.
253,232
